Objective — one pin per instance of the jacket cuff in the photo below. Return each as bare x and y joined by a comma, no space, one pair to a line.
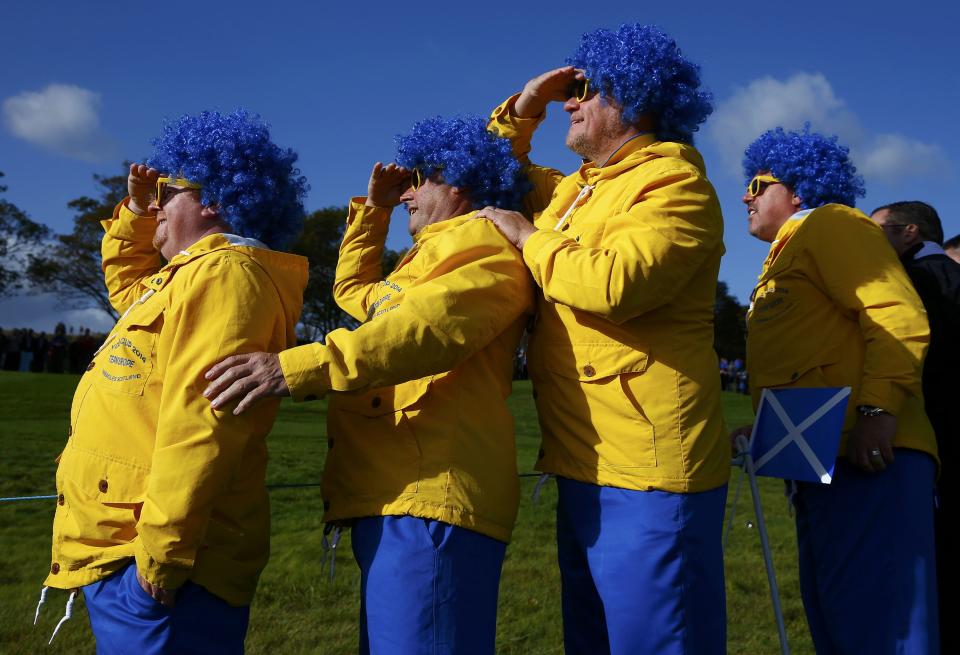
358,212
885,395
303,372
538,246
165,576
520,131
127,226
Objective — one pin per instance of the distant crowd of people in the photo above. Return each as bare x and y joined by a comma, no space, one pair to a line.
65,352
733,375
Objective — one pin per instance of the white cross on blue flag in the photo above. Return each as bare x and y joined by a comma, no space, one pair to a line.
797,433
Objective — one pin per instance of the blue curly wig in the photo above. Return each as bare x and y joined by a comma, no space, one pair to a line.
467,156
815,167
642,68
231,156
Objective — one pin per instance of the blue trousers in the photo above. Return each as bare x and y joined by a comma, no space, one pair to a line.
125,620
641,571
426,587
867,558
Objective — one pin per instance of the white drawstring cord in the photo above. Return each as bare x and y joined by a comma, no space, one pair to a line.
584,192
67,615
43,599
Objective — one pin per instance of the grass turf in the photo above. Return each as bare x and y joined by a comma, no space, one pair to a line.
298,609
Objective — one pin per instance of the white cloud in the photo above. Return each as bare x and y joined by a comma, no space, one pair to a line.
766,103
61,117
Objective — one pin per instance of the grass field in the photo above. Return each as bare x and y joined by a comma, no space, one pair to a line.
297,608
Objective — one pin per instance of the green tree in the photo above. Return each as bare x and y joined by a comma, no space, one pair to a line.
71,266
19,236
319,242
729,325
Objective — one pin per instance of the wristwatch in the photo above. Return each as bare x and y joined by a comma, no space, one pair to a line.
871,410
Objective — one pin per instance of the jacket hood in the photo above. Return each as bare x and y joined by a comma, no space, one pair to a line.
287,272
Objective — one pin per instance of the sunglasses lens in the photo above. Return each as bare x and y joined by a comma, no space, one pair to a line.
754,187
581,89
415,180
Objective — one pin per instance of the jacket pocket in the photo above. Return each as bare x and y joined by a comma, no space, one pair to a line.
126,363
373,450
607,387
102,497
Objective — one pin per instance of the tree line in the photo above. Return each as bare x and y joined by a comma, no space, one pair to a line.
35,259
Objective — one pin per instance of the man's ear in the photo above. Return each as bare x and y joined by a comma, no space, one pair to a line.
211,211
796,200
457,190
913,231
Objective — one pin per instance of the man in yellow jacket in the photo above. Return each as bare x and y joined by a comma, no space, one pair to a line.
162,514
833,308
625,252
421,461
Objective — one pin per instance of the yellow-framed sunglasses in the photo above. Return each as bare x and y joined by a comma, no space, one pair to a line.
579,89
416,179
759,183
182,184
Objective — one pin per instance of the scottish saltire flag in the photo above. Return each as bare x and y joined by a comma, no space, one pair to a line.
797,433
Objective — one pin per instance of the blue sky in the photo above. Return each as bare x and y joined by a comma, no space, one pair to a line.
83,89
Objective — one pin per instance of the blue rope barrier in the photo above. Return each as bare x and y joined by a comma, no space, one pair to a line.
295,485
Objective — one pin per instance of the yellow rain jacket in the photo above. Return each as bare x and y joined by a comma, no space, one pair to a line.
622,359
150,471
424,429
835,308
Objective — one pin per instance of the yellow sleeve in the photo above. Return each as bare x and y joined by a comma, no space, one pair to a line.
647,253
227,307
476,288
359,264
863,276
520,133
128,254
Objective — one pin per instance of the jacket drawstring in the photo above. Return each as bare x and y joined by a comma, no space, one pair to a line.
584,193
542,480
330,546
67,614
43,599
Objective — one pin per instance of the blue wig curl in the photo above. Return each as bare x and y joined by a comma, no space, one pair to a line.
642,68
815,167
467,156
232,158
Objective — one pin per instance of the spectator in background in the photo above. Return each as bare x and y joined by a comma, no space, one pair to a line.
40,346
26,350
12,360
952,248
834,308
915,232
58,349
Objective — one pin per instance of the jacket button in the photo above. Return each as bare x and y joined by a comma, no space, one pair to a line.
158,280
310,397
589,371
69,430
376,401
102,486
60,499
90,366
566,226
794,376
55,568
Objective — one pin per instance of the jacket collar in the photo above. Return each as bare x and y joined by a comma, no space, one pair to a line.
627,156
923,249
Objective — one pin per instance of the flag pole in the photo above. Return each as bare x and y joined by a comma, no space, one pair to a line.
743,447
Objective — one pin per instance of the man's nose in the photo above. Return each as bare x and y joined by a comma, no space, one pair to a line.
571,105
407,195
